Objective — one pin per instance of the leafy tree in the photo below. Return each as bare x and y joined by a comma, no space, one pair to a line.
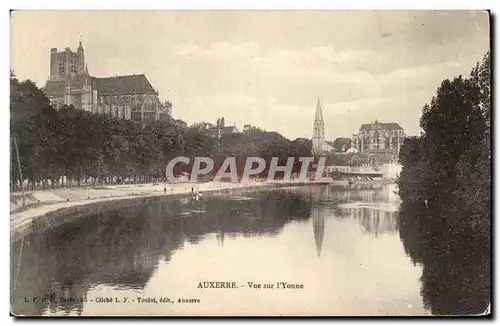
452,117
341,144
84,147
409,182
449,166
473,169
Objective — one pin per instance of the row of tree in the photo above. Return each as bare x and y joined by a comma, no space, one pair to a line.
74,145
449,165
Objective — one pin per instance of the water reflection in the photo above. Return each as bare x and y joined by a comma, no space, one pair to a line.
349,245
456,264
374,208
123,247
318,221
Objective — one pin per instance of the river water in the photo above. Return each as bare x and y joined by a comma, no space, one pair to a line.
342,250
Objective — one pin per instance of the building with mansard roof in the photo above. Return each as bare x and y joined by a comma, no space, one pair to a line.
129,97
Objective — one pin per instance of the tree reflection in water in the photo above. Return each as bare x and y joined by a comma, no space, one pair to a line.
455,260
122,248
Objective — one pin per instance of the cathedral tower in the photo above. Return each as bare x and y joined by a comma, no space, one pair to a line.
65,65
81,59
318,140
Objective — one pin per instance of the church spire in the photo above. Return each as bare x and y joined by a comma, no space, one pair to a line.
319,111
318,140
86,70
80,43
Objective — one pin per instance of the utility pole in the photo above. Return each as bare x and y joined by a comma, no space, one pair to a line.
20,171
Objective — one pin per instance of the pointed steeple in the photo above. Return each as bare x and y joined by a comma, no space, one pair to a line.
86,72
318,140
319,111
81,58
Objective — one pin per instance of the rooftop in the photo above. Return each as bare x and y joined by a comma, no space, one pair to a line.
131,84
381,125
118,85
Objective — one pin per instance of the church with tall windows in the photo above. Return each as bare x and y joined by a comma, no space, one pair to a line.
382,139
129,97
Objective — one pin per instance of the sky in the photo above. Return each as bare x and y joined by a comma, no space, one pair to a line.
267,68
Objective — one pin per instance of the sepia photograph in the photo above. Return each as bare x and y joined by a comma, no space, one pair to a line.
250,163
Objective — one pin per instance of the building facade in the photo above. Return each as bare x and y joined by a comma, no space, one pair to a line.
379,139
129,97
319,145
338,168
218,132
221,129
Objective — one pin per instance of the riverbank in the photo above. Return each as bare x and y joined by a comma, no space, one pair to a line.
50,208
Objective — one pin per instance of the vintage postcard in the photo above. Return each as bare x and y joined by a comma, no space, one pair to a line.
250,163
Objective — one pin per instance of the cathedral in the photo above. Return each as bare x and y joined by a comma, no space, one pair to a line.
380,139
129,97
